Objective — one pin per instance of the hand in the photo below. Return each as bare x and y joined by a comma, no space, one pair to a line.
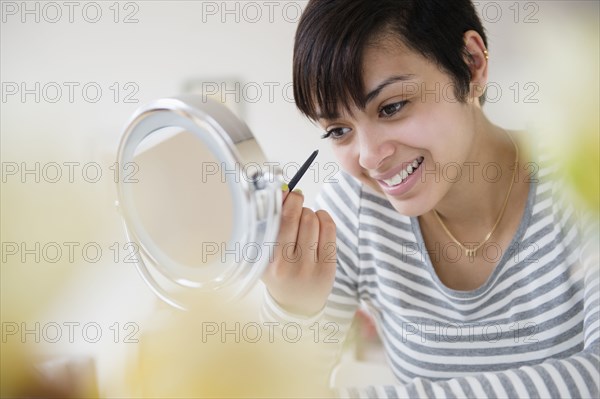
301,275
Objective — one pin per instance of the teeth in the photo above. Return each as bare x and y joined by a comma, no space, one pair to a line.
403,174
394,180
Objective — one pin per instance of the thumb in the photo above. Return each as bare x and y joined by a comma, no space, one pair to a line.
286,192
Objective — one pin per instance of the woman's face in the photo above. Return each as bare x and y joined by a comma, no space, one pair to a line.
412,118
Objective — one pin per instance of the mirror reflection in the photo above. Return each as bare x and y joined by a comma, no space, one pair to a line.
183,202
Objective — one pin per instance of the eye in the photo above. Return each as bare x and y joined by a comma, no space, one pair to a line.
389,110
336,133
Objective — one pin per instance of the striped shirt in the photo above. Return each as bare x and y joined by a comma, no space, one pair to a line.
531,330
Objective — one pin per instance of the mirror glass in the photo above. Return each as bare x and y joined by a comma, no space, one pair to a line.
183,202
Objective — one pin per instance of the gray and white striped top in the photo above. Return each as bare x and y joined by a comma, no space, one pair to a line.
532,330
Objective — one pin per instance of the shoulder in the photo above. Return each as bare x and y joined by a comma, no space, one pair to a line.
553,210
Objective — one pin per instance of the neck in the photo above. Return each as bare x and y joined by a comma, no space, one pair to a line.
472,205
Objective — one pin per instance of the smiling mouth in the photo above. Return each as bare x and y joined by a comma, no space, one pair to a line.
401,176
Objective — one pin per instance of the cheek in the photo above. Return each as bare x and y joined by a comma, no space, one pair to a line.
417,132
439,129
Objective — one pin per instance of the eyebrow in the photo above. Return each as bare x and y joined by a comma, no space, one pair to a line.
393,79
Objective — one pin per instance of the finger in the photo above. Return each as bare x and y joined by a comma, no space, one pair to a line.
290,218
286,193
327,237
286,190
308,235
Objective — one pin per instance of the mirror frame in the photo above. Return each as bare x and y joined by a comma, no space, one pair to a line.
256,202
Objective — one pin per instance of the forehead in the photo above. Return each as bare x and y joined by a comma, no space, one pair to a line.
388,57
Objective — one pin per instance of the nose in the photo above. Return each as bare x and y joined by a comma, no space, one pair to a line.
373,149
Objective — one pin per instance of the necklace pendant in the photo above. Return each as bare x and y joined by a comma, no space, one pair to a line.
470,254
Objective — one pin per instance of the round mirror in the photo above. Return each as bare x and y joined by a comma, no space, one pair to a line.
199,207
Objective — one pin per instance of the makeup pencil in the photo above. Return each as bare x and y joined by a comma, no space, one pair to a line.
302,170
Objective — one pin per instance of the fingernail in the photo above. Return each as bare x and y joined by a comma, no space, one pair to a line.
285,187
297,190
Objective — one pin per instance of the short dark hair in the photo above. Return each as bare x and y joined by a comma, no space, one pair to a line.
332,35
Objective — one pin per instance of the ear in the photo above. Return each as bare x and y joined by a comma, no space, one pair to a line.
477,60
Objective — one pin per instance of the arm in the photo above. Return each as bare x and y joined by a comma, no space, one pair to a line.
330,323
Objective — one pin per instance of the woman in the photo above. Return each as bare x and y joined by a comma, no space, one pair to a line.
455,238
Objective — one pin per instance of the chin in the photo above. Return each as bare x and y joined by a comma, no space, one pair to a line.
411,208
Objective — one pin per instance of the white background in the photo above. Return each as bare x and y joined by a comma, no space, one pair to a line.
174,44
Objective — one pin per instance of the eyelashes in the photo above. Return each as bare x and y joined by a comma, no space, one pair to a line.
390,110
336,133
386,111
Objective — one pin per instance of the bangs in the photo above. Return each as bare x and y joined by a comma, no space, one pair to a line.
328,75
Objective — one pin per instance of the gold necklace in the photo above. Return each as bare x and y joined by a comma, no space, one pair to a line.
471,252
